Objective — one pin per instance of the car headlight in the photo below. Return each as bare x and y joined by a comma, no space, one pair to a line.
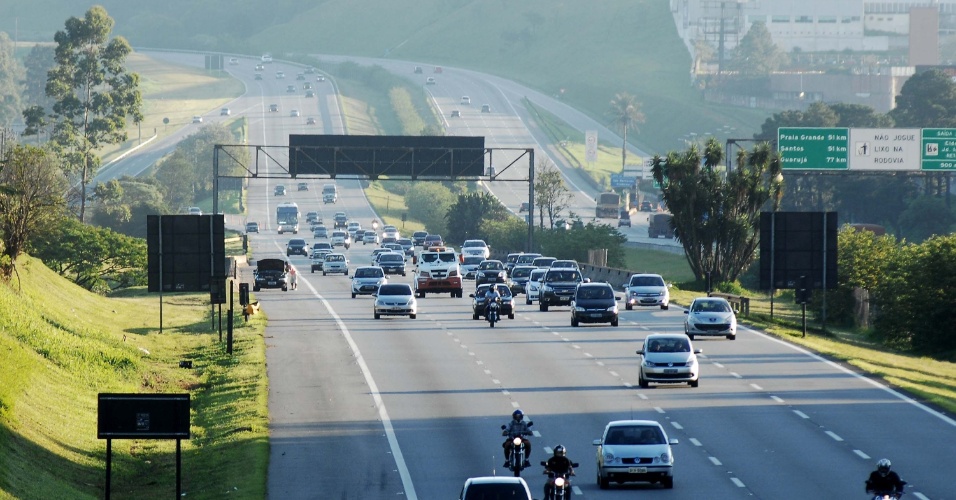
665,458
545,288
608,457
612,309
453,272
647,363
578,309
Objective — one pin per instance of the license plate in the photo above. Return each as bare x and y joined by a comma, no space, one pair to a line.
272,283
670,370
637,470
595,315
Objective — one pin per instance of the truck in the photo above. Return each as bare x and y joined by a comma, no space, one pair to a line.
608,205
287,217
660,225
438,272
330,193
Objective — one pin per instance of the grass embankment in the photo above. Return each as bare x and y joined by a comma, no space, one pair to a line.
60,346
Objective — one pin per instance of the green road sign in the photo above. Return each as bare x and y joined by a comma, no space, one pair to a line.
938,149
806,148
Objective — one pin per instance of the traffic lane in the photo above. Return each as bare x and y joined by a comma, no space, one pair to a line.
313,416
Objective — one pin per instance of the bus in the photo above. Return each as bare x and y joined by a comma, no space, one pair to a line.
287,217
608,205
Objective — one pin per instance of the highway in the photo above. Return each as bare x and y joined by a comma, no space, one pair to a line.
363,408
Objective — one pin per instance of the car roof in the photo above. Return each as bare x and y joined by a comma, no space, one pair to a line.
628,423
496,480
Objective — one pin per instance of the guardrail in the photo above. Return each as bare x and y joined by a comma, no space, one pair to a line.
739,303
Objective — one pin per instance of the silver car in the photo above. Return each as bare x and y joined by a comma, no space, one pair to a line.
646,290
668,358
395,299
366,280
710,316
635,450
335,263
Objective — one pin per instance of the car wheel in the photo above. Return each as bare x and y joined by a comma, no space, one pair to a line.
669,482
412,316
665,306
378,316
574,322
324,273
694,383
353,295
511,316
474,316
731,337
255,289
403,274
690,335
285,289
603,482
614,322
641,382
628,306
313,271
543,307
527,302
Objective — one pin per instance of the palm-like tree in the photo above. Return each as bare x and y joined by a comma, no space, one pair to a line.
625,112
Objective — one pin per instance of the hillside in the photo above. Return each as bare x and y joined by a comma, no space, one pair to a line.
591,51
60,346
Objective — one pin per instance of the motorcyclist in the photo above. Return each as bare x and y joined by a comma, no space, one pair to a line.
558,464
491,295
884,481
517,428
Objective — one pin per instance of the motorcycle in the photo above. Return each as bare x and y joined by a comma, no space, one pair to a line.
558,486
492,314
517,461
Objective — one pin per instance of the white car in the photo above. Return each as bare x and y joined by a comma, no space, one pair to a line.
335,263
481,488
370,237
465,100
395,299
469,266
646,290
341,239
635,450
668,358
390,232
352,228
565,264
366,280
532,289
476,247
710,316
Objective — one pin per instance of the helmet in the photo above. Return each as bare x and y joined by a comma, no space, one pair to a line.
517,415
883,466
560,451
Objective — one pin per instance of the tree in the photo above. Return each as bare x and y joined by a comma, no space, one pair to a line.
38,62
93,93
575,243
32,198
551,195
924,217
717,219
926,100
94,258
465,217
862,262
625,112
428,202
757,55
11,74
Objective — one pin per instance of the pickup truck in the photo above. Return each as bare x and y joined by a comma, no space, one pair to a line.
438,272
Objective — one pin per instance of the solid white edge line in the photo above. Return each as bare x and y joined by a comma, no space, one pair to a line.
376,397
874,383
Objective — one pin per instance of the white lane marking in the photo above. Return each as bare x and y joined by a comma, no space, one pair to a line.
642,396
658,409
694,441
801,414
777,399
628,385
576,490
718,365
495,381
515,404
535,433
506,392
867,380
862,455
677,426
588,355
600,363
487,372
736,375
834,435
376,397
714,460
920,495
480,362
739,483
757,387
471,353
548,450
614,374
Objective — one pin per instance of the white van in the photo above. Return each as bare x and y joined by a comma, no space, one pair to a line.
330,193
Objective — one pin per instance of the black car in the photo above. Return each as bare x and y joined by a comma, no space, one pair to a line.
392,263
407,246
341,220
557,287
478,301
646,206
270,273
297,246
594,303
418,238
519,278
625,219
490,271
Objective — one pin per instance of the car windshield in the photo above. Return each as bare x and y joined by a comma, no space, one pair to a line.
526,259
430,257
391,257
471,261
668,345
647,281
447,257
635,435
595,292
521,273
398,289
491,265
562,276
373,272
710,306
495,492
471,244
334,258
536,275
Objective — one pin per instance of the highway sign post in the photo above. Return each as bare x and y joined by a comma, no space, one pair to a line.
807,148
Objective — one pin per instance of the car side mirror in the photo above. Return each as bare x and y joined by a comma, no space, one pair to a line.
698,351
351,277
575,464
639,351
686,311
673,441
471,295
544,464
596,442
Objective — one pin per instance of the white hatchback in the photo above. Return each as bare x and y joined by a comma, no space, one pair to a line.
532,289
710,316
335,263
635,450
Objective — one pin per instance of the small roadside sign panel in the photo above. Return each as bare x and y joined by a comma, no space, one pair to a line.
142,416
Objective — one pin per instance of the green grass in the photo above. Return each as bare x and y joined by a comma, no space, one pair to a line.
60,346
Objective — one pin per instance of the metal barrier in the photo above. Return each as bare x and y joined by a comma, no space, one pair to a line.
739,303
